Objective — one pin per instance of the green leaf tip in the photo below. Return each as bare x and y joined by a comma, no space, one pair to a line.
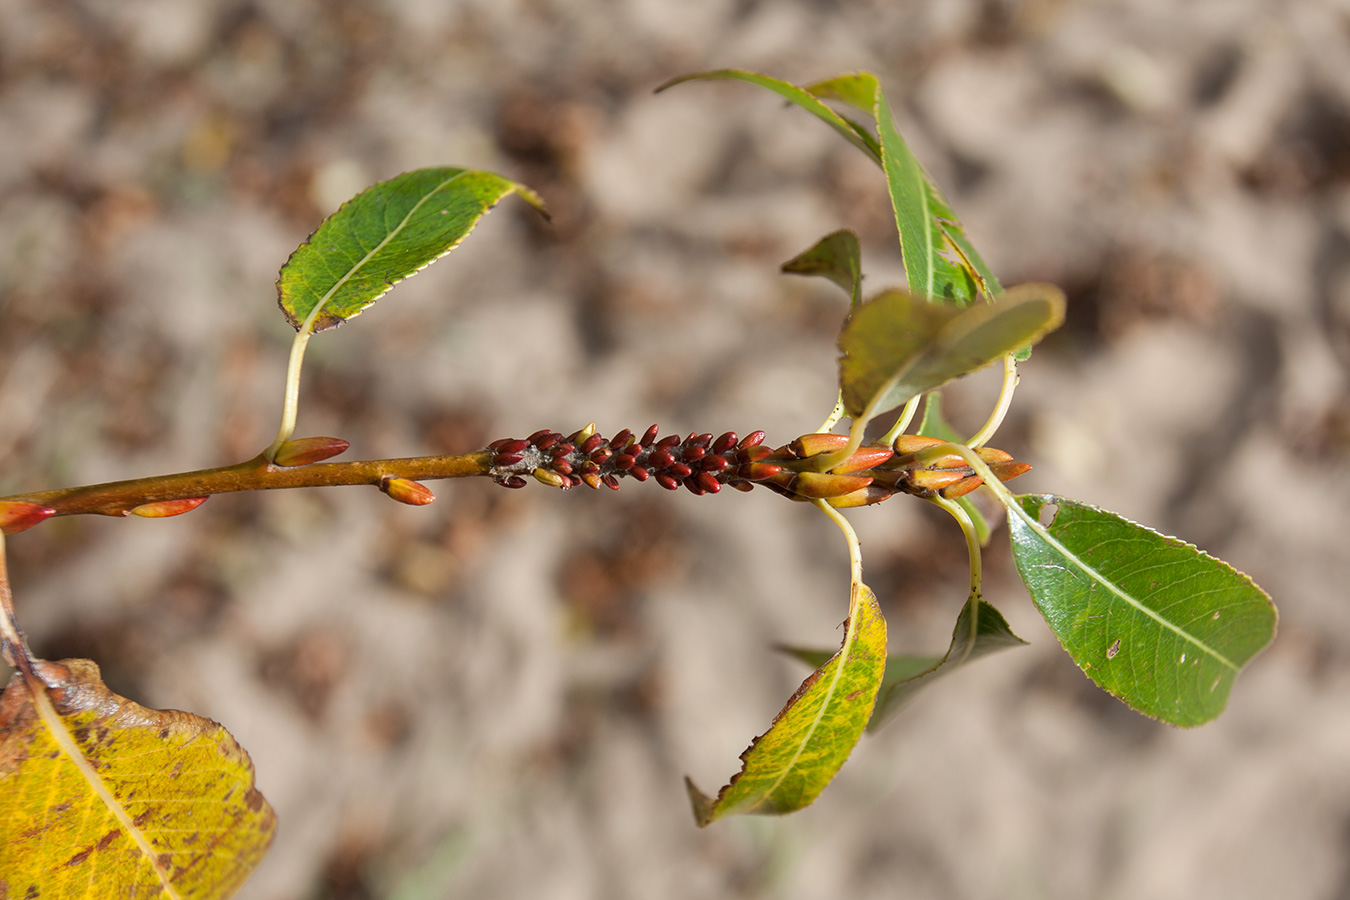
896,346
787,767
836,257
386,233
1152,620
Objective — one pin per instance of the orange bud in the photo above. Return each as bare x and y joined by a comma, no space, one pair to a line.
913,443
822,486
809,445
962,487
865,458
993,455
162,509
1007,471
16,515
933,480
549,477
405,490
873,493
304,451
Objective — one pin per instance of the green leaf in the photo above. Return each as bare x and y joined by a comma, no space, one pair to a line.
383,235
788,766
855,134
1151,619
895,346
906,674
934,425
837,257
940,262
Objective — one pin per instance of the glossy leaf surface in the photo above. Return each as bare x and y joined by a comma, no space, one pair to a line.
896,346
101,797
1153,620
384,234
837,257
788,766
906,674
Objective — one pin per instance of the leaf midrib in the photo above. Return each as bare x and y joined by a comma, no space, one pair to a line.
1044,534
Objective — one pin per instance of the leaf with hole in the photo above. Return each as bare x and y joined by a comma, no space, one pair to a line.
1153,620
103,798
837,257
788,766
896,346
383,235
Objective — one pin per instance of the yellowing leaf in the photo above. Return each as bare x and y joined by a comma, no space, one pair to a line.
103,798
788,766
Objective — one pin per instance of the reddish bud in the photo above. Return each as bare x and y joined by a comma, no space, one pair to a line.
667,442
561,466
703,440
548,440
680,470
623,462
708,482
162,509
304,451
497,445
865,458
1007,471
621,439
591,443
693,453
591,480
929,480
601,456
758,471
16,515
512,446
561,449
744,487
714,463
639,473
538,436
414,493
659,459
667,482
809,445
610,482
514,481
650,435
821,486
724,443
754,454
753,439
507,459
873,493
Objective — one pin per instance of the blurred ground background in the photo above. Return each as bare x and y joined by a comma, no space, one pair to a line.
498,695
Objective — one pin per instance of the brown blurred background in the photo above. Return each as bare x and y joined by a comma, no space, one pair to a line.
498,695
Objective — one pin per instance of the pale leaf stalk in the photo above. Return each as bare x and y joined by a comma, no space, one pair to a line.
976,567
982,437
833,418
906,416
290,407
854,561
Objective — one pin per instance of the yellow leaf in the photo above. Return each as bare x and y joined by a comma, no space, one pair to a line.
101,797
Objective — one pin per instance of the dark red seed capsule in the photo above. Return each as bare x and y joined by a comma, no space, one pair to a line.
601,456
667,442
538,436
591,443
513,446
610,482
693,453
497,445
714,463
588,468
679,470
668,483
650,435
758,471
724,443
507,459
621,439
639,473
623,461
569,481
548,440
659,459
708,482
561,449
515,481
703,440
753,439
561,466
694,488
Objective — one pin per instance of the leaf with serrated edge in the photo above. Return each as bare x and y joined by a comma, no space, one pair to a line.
384,234
905,673
788,766
934,425
1154,621
895,347
103,798
837,257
